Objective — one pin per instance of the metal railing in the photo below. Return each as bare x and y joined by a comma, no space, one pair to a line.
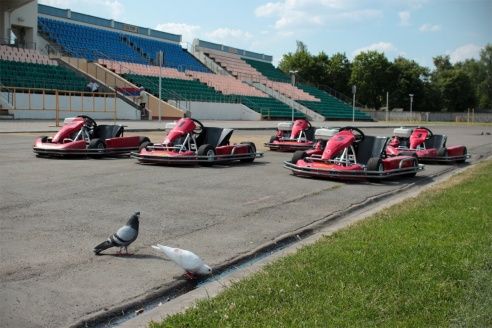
74,101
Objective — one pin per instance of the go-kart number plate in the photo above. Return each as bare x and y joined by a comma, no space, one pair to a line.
324,166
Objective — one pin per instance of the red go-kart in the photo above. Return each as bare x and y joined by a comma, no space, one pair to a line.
83,137
189,142
346,153
293,136
427,146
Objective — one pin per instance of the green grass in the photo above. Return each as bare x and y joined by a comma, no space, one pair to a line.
426,262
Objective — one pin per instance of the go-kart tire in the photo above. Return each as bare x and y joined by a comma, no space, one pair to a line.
252,150
209,151
442,152
298,155
44,139
96,144
144,145
415,164
465,152
375,164
144,139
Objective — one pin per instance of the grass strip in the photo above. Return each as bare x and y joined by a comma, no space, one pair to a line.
425,262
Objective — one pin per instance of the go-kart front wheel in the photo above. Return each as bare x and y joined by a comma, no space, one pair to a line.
207,151
298,155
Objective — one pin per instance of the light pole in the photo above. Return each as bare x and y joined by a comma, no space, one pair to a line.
354,90
293,83
411,101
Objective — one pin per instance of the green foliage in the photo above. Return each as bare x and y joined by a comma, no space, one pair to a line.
373,75
449,87
410,78
425,262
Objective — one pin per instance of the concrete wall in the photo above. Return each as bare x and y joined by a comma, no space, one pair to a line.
43,107
222,111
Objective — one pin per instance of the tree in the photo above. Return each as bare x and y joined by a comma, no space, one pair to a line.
455,88
301,61
410,78
485,86
373,75
338,72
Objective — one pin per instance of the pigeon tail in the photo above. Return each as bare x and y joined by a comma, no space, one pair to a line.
102,246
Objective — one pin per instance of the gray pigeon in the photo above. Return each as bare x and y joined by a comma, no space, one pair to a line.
123,237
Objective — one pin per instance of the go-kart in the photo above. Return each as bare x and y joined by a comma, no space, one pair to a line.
189,142
293,136
347,154
428,147
81,136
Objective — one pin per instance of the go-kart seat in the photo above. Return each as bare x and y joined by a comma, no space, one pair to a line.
437,141
310,133
371,147
214,136
108,131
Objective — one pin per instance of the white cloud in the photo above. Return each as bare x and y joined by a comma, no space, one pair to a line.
389,49
188,32
468,51
305,13
404,18
114,7
381,47
429,28
225,35
64,4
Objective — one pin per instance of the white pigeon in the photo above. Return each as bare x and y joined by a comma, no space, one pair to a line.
187,260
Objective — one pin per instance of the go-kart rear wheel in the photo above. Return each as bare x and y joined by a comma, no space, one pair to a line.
442,152
375,164
415,165
298,155
97,144
209,152
144,145
465,152
251,150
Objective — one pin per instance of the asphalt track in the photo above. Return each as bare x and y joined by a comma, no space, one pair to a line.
53,213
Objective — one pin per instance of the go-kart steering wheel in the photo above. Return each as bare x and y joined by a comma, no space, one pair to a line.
429,135
359,137
200,127
308,123
89,122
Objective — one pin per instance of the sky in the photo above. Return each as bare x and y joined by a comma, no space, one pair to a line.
414,29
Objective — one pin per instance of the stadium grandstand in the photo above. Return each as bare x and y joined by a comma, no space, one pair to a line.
56,52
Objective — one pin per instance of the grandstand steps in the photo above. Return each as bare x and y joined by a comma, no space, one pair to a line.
5,115
110,81
311,115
